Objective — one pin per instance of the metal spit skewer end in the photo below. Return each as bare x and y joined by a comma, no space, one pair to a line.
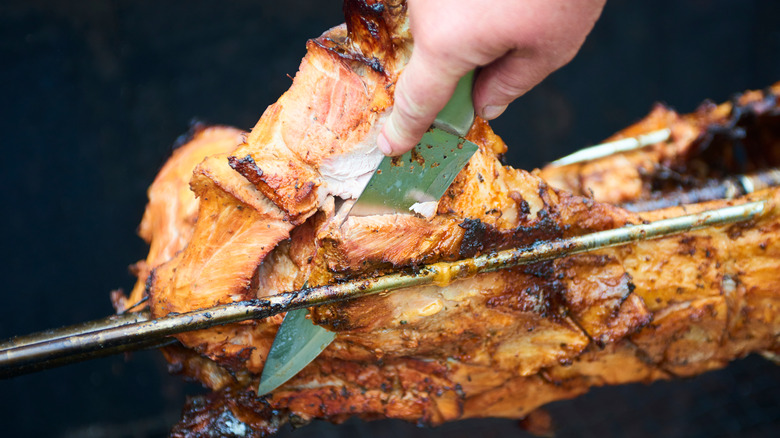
727,188
46,350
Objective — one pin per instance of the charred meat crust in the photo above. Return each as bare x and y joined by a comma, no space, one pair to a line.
247,167
479,237
737,144
706,149
229,412
372,25
302,192
408,389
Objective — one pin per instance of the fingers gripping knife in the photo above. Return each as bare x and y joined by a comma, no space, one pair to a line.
411,183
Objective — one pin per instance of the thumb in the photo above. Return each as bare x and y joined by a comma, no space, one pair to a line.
504,80
423,89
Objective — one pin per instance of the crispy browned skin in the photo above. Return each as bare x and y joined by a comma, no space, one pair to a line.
498,344
737,137
170,215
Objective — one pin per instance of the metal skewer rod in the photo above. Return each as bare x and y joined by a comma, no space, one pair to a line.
108,322
613,147
41,365
728,188
107,341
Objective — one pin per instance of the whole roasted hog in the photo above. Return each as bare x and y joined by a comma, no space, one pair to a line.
235,216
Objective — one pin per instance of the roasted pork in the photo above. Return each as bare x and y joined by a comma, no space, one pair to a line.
499,344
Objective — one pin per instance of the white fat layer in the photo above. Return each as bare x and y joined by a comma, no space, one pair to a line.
320,383
346,175
425,209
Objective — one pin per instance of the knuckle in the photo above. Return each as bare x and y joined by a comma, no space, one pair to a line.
509,84
408,113
516,76
408,108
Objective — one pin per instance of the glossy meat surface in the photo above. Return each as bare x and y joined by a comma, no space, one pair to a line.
498,344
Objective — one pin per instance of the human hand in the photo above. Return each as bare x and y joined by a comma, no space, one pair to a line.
517,43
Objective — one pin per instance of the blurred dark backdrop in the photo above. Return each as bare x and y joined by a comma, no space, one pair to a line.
94,92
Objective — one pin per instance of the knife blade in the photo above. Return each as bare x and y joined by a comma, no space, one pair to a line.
298,342
411,183
421,176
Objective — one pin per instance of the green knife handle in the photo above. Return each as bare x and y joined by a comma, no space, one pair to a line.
458,115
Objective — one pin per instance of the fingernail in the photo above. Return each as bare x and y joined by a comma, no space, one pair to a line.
490,112
383,144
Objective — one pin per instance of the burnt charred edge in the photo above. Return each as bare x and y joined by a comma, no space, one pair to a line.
340,319
554,289
229,413
544,295
735,231
196,127
248,168
628,281
479,237
345,54
524,208
149,283
364,18
473,237
375,268
371,25
234,362
735,146
739,144
663,178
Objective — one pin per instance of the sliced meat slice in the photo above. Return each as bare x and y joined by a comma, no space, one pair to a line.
170,215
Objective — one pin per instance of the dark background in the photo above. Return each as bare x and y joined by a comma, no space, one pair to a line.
94,92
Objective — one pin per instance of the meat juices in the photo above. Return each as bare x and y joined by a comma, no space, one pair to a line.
499,344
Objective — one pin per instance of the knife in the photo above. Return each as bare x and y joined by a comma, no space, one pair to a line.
411,183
